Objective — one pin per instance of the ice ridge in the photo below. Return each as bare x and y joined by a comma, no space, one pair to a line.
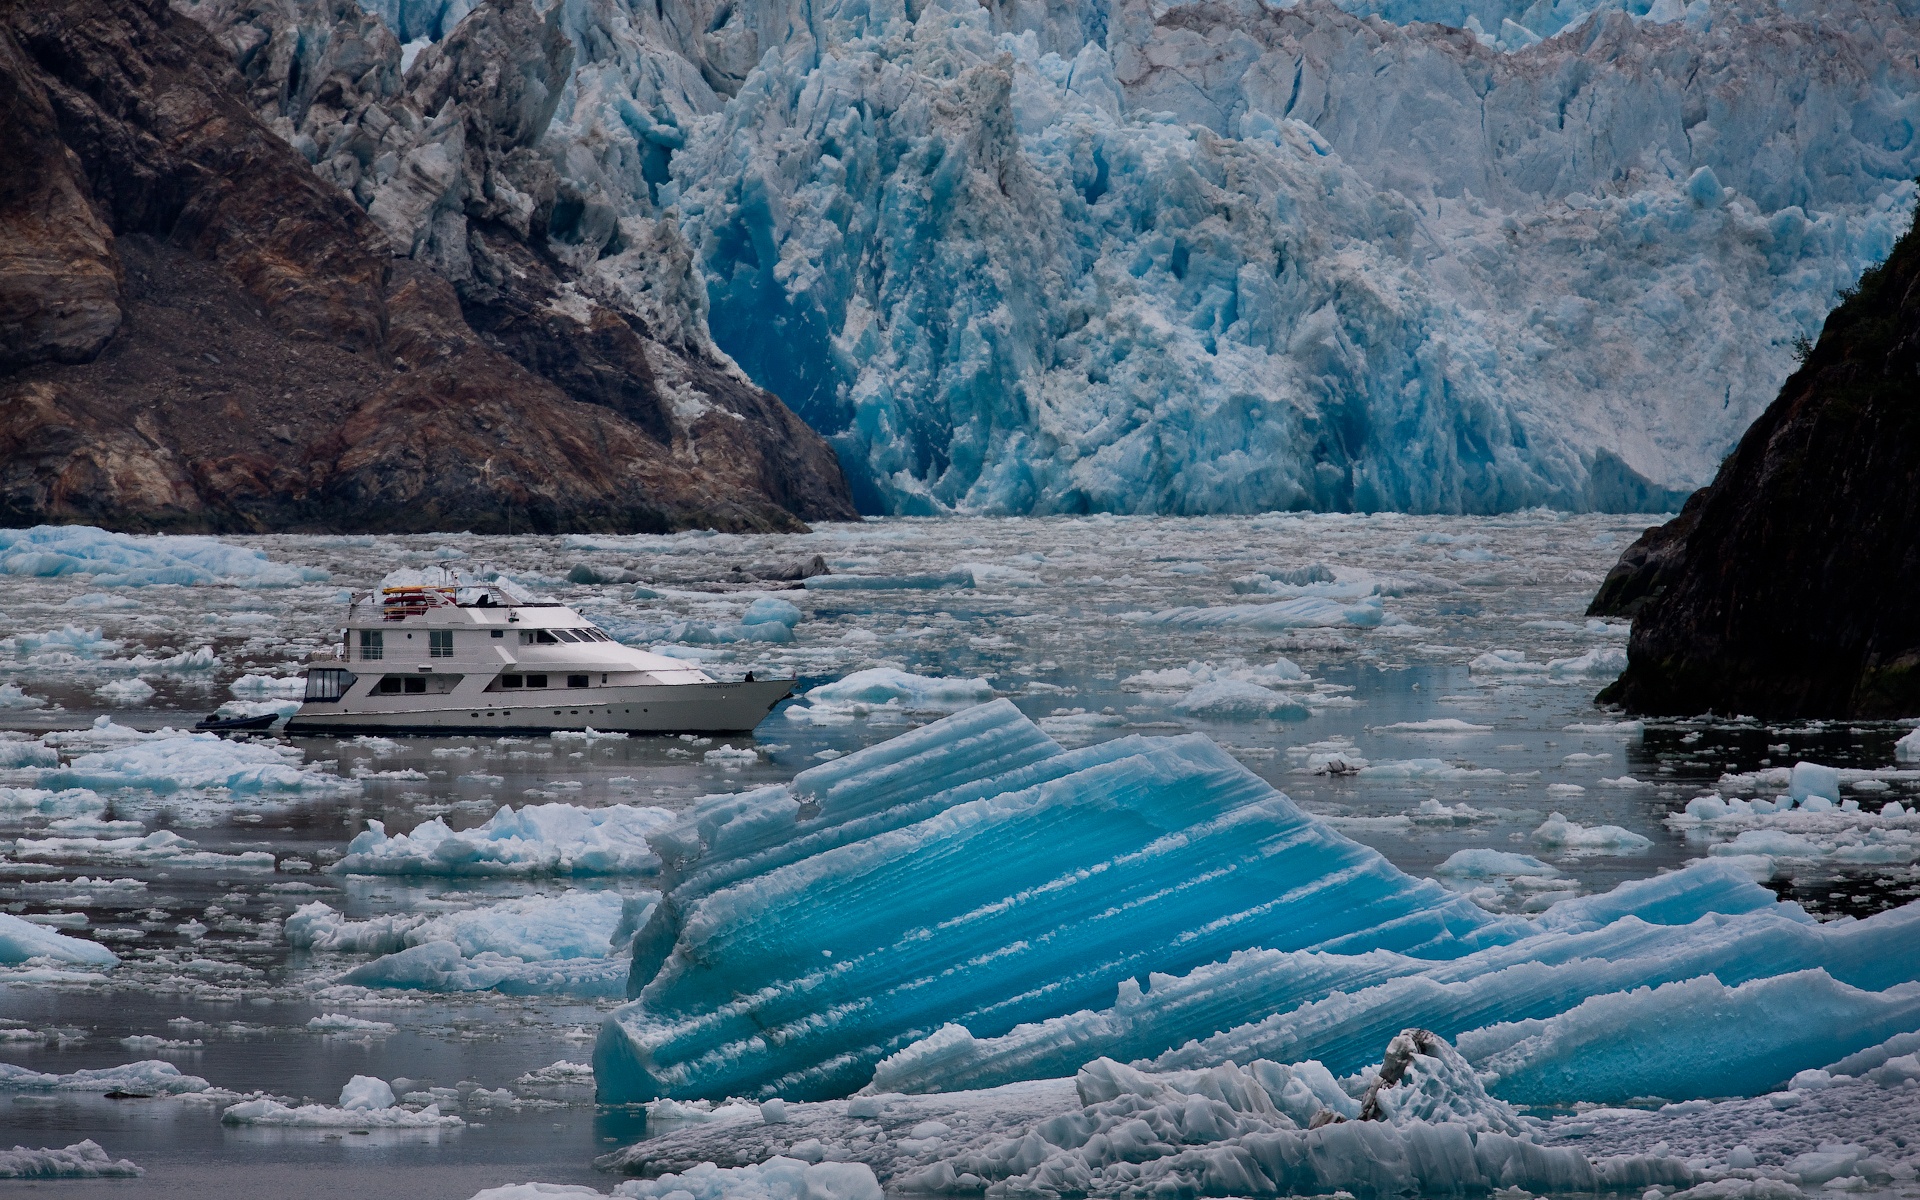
1033,890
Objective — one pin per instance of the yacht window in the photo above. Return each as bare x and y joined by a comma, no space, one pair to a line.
390,685
499,633
576,681
371,644
566,635
544,637
510,681
328,683
415,684
440,643
536,681
596,635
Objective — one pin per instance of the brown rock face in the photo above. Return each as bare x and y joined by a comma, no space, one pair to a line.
200,332
1788,587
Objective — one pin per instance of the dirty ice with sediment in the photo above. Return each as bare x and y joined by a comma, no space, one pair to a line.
1104,855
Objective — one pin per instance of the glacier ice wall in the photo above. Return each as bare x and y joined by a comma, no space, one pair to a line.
1223,256
1226,256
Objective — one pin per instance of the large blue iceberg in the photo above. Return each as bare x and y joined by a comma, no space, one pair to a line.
970,905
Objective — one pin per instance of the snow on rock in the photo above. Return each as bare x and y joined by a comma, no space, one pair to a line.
82,1160
1021,853
21,940
149,1078
132,560
539,839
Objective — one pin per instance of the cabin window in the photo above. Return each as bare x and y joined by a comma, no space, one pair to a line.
499,633
327,684
511,681
576,681
536,681
416,684
389,686
394,685
566,636
440,643
372,645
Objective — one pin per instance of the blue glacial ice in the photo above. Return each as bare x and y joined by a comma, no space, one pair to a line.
83,1160
125,560
1237,257
1148,899
21,940
538,839
889,690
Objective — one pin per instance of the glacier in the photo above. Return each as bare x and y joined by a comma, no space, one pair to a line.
1206,256
1231,926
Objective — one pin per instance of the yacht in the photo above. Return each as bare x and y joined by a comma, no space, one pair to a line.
480,658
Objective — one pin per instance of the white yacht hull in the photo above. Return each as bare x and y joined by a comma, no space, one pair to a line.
640,708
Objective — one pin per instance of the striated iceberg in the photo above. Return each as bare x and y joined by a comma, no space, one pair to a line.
969,905
128,560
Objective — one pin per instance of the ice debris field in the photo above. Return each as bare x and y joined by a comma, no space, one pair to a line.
1104,856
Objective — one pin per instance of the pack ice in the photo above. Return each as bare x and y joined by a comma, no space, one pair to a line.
971,905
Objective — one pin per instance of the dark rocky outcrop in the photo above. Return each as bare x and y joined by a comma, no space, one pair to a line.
200,330
1790,587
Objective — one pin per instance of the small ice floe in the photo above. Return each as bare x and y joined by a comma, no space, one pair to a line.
125,693
1436,725
1279,672
1807,823
366,1102
1304,612
1235,698
151,1077
116,560
169,761
1426,768
539,839
342,1023
730,757
886,690
12,697
161,848
82,1160
1601,660
21,940
1558,833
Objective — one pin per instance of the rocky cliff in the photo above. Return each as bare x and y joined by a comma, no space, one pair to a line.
206,323
1787,588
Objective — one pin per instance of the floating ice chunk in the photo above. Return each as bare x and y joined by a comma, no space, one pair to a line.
1235,698
170,762
771,609
82,1160
1812,779
12,698
69,803
860,693
160,848
321,1116
342,1023
730,756
1492,864
186,662
127,560
779,1178
70,645
1907,749
281,709
521,1191
21,940
1625,728
1426,768
1195,673
439,966
889,583
150,1078
1561,834
1305,612
125,692
1601,660
363,1093
540,839
1648,1042
1436,725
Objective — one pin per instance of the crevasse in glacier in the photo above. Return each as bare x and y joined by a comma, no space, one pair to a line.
936,912
1214,257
